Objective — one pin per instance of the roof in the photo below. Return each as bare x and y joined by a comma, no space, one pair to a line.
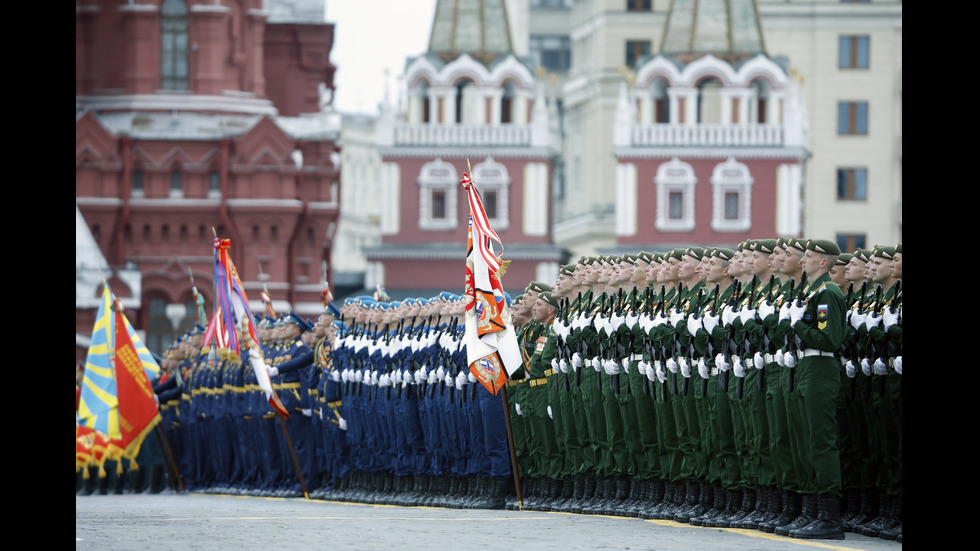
480,28
721,27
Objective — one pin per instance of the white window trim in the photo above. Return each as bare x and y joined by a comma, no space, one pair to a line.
731,176
434,176
675,175
493,176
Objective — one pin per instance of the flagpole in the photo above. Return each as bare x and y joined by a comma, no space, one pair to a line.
510,443
164,443
292,451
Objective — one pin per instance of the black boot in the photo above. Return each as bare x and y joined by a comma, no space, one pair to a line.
746,509
792,505
894,532
718,502
883,521
866,510
654,497
693,504
827,525
808,514
588,494
137,481
732,505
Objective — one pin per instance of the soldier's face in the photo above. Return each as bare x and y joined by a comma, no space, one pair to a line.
625,272
715,270
882,269
813,262
837,276
897,266
855,269
652,272
776,260
687,269
791,262
542,311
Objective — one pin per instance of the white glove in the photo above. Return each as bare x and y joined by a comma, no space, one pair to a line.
563,365
597,365
720,362
779,358
517,408
737,368
273,371
889,318
359,376
615,321
881,368
766,309
676,317
345,375
343,423
660,319
625,362
857,320
784,311
561,329
850,369
694,323
554,365
703,369
898,365
307,412
642,367
873,320
661,374
374,377
631,320
450,381
646,323
759,360
685,369
420,375
440,373
460,381
747,314
710,322
611,367
550,415
396,376
384,380
865,367
577,361
796,313
671,365
470,377
335,375
789,360
433,378
728,315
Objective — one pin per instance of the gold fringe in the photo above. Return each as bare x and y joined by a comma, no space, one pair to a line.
502,269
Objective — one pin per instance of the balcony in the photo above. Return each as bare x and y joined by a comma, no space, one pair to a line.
708,135
468,135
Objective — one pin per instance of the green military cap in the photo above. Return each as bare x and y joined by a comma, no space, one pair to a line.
551,299
744,246
537,286
765,245
583,260
694,252
843,259
898,248
798,244
884,251
567,269
677,253
822,246
722,253
518,298
863,254
628,258
646,256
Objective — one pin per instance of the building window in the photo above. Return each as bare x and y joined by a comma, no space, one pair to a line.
493,181
173,47
176,184
554,53
638,5
854,52
214,184
636,50
675,183
852,117
438,184
137,183
851,241
852,184
731,183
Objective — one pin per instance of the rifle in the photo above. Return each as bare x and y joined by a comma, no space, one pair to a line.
746,343
795,343
685,384
714,310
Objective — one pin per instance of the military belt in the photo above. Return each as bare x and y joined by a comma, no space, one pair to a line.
335,404
541,381
549,373
814,352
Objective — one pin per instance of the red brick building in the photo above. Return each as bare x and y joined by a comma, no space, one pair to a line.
195,117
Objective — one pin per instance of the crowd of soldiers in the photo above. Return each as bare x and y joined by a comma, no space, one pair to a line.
756,387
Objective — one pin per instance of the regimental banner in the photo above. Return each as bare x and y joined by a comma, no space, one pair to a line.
492,350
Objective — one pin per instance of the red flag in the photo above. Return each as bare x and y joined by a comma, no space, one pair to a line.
138,412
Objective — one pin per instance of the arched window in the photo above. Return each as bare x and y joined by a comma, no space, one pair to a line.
675,182
173,45
437,196
731,210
